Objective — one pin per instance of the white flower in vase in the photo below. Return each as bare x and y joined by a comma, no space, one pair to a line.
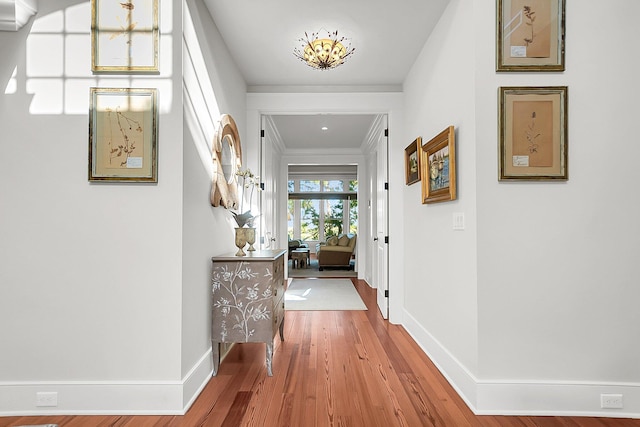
248,183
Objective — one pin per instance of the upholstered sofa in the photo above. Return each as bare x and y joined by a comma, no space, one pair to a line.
336,251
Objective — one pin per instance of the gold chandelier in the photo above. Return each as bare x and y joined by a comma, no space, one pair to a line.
325,53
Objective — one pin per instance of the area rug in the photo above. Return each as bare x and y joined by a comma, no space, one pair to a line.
322,294
313,271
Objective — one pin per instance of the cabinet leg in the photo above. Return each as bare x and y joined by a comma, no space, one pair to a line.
269,357
282,329
215,351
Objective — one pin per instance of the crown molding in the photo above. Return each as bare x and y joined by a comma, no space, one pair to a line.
14,14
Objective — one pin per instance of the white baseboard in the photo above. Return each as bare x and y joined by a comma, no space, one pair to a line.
555,399
108,397
458,376
196,380
524,397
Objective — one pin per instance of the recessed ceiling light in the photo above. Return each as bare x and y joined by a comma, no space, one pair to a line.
324,128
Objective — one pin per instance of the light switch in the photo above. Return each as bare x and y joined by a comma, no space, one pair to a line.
458,221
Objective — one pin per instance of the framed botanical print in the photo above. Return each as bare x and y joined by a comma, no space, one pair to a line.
438,166
123,135
412,161
124,36
530,35
533,133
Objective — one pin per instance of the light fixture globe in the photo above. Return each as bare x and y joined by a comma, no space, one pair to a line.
325,53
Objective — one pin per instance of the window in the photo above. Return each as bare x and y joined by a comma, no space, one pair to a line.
307,186
319,208
309,219
333,185
353,208
333,217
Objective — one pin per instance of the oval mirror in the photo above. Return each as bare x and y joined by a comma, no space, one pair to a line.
227,159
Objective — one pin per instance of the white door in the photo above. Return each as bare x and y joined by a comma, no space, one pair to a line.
269,167
382,228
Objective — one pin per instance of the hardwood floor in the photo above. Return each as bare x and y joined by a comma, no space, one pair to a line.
347,368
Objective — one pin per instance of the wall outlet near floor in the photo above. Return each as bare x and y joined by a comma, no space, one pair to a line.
47,398
611,401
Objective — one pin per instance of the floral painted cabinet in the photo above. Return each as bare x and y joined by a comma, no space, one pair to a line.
247,301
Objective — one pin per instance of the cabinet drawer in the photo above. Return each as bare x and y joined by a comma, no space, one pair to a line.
278,271
278,268
278,289
278,313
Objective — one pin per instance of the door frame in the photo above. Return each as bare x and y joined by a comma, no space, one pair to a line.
390,103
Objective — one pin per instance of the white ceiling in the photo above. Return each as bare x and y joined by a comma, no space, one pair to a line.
387,36
305,131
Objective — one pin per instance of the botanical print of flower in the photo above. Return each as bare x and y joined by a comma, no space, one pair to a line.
123,144
529,27
530,16
531,133
127,27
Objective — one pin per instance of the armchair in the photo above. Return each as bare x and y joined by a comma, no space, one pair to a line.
296,244
337,251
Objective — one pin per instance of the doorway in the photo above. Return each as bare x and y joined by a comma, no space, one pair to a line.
322,206
301,140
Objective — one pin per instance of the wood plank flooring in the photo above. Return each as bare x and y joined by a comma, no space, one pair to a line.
348,368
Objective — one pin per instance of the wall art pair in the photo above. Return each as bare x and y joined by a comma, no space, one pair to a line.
434,164
123,122
532,121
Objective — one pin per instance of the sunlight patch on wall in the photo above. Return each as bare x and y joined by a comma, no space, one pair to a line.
51,23
45,54
201,106
58,64
12,85
47,96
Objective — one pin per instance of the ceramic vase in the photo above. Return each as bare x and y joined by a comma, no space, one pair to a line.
241,241
250,234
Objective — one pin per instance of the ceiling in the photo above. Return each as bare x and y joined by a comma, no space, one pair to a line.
307,131
387,37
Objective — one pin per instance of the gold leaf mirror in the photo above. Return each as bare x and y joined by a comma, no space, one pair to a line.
227,159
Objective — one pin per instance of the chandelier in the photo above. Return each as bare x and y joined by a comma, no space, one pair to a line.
323,54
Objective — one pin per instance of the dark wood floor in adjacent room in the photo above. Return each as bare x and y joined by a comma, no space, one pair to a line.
348,368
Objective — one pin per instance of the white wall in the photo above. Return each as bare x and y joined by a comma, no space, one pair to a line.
440,263
536,314
556,282
105,287
207,230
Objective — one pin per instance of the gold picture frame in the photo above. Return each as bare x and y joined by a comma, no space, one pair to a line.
438,168
123,133
124,36
533,133
412,161
530,35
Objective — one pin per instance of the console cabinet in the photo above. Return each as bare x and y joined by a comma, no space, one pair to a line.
247,301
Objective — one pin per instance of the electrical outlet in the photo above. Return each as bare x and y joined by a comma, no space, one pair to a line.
47,398
611,401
